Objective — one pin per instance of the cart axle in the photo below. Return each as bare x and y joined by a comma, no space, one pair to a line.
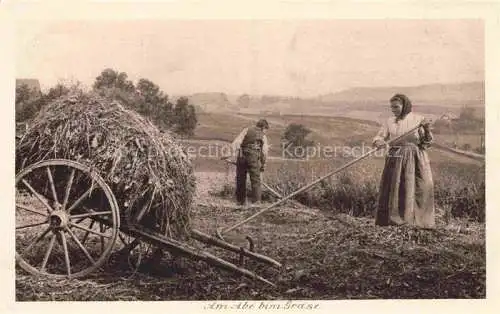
58,220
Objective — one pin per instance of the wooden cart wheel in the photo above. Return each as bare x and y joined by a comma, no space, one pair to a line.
67,219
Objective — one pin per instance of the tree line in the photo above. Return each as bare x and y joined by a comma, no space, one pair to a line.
145,97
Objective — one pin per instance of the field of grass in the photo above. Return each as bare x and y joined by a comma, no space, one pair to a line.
463,141
459,186
325,130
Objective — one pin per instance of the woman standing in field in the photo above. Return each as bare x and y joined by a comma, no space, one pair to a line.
406,187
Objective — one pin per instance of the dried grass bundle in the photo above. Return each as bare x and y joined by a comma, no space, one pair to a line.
143,166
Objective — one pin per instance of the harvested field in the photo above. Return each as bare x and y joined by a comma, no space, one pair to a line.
326,256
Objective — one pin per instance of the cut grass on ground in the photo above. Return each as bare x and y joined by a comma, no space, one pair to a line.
325,256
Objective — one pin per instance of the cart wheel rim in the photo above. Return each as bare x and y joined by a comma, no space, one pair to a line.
59,194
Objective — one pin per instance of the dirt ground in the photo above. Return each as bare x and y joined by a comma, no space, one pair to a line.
324,256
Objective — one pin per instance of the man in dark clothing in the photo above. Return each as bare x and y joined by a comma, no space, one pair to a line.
252,147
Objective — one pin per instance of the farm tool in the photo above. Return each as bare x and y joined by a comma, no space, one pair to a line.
219,233
70,234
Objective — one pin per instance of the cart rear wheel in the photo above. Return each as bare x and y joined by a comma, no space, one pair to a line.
67,219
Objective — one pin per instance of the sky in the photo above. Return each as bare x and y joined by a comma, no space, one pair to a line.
280,57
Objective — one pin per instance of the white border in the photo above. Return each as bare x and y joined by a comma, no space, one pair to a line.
11,13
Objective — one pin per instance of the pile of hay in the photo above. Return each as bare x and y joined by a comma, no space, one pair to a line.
141,164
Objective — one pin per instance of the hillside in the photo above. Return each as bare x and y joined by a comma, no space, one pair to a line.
362,102
325,130
471,93
216,130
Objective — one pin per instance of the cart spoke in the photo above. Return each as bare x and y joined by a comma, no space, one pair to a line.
90,231
90,214
80,245
47,254
38,239
31,225
30,209
94,213
80,199
68,188
52,186
87,233
101,228
80,220
38,196
66,253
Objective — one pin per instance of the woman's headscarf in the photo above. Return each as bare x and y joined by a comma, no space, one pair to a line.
405,102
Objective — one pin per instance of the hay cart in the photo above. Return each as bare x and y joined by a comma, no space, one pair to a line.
71,226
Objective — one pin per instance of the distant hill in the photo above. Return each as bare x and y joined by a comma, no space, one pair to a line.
360,102
471,93
210,101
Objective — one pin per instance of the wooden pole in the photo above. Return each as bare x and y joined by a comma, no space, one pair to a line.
197,254
205,238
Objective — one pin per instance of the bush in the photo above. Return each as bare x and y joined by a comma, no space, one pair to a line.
294,141
463,201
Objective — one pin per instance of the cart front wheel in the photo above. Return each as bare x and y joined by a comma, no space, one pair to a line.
67,219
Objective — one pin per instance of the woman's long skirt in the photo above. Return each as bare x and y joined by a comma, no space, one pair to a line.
406,188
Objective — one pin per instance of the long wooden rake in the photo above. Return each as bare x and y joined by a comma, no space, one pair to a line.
220,233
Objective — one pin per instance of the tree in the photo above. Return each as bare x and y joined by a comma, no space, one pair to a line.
154,103
56,92
151,93
163,115
185,117
149,100
28,102
294,140
23,94
110,78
